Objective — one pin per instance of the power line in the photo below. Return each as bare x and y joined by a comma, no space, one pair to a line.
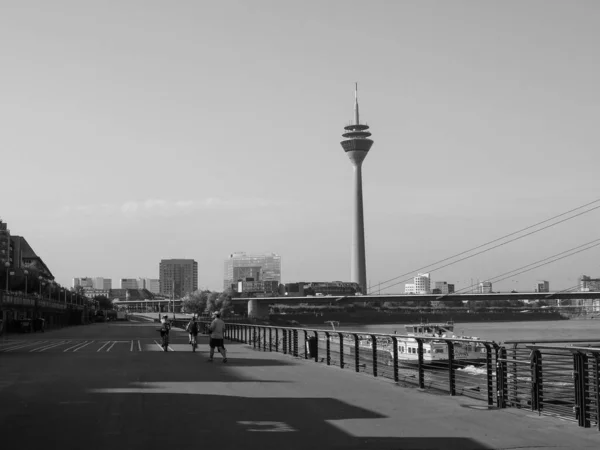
531,264
496,246
550,262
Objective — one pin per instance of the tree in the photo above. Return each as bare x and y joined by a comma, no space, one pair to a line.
103,302
196,302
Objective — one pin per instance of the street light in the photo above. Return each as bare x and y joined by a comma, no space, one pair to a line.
26,272
40,278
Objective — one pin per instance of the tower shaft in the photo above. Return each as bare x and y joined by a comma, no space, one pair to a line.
358,266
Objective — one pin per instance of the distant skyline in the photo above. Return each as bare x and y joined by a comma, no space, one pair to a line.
139,131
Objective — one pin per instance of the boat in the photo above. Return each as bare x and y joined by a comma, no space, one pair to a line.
435,349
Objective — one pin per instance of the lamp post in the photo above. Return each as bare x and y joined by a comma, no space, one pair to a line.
40,278
7,265
26,273
11,273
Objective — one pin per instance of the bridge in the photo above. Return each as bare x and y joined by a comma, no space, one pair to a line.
110,386
259,307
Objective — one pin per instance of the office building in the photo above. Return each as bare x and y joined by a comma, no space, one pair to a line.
178,277
150,284
241,266
128,283
421,285
542,286
484,287
442,287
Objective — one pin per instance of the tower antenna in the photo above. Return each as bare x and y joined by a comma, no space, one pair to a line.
356,121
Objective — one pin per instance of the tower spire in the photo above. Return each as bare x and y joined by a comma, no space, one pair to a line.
356,121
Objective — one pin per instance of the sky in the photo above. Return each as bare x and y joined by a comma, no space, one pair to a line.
134,131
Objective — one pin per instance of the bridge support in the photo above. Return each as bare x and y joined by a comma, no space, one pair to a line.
257,310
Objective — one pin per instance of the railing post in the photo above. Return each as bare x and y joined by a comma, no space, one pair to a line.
421,366
501,377
536,380
246,334
316,346
254,337
395,343
277,340
270,339
306,346
265,339
451,371
285,340
295,343
489,373
356,353
328,347
374,351
341,335
581,389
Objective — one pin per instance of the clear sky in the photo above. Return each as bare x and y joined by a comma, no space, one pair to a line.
139,130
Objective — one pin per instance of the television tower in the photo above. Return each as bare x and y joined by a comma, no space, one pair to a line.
357,145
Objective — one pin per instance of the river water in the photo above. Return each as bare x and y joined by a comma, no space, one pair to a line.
504,331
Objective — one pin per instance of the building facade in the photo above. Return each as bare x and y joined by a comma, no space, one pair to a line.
251,267
484,287
178,277
442,287
128,283
542,286
421,285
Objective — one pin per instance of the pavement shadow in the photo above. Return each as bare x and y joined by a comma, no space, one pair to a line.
150,401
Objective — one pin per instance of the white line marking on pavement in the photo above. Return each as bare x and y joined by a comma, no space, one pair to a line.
47,346
111,346
17,347
105,344
159,346
76,345
268,427
139,346
84,345
131,349
9,343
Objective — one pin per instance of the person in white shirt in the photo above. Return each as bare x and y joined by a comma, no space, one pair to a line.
216,329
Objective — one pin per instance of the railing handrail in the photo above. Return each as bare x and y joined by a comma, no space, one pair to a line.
565,347
321,330
548,341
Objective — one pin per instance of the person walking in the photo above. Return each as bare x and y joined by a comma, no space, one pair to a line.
216,330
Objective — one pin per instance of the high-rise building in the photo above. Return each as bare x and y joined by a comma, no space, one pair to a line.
357,145
444,288
84,282
150,284
178,277
241,266
421,285
542,286
128,283
484,287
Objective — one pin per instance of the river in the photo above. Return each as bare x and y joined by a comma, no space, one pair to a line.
503,331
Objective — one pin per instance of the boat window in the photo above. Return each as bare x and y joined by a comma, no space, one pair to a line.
439,350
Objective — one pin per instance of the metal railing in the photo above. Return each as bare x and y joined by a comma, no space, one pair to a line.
552,377
557,378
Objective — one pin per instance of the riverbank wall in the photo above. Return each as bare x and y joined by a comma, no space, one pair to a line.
377,318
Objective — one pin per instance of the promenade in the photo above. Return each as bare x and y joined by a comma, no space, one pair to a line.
109,385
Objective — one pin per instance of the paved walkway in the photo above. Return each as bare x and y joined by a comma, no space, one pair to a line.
134,397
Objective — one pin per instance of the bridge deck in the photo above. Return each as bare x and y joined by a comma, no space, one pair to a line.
109,386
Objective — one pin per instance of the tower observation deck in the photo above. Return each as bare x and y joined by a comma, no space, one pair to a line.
356,145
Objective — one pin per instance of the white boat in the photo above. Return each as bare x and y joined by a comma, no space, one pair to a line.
435,349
